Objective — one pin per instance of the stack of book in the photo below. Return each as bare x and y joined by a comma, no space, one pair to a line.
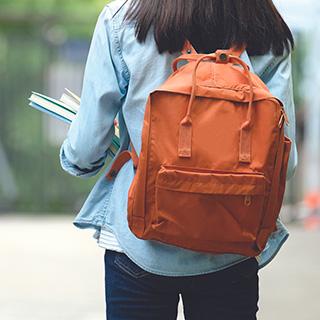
65,109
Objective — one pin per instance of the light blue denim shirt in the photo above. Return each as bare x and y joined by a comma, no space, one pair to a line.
120,73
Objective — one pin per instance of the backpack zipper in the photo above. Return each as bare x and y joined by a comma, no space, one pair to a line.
283,118
247,200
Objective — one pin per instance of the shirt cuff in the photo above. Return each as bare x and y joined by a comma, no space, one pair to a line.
73,169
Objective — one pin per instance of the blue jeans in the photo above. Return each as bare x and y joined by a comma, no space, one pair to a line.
134,294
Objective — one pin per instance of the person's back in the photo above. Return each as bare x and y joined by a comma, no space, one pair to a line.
127,61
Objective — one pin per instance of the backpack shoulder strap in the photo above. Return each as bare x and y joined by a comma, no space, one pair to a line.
121,160
188,48
237,51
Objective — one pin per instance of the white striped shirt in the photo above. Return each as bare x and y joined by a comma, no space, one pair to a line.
107,240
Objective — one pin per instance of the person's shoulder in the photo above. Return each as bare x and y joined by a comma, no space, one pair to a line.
113,13
117,8
263,65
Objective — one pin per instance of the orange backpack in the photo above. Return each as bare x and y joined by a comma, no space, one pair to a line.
212,169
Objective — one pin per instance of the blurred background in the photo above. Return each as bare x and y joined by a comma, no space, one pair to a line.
50,270
43,47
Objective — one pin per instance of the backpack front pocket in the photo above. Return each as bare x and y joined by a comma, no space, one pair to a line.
205,208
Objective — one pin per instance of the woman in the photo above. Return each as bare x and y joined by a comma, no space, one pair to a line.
132,49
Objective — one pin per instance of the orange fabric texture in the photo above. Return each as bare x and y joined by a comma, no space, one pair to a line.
212,169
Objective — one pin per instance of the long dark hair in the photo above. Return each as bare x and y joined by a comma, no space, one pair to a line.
212,24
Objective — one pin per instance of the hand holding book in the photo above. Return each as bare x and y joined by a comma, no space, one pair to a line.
65,109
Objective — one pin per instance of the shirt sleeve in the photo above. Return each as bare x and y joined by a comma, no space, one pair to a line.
84,151
277,75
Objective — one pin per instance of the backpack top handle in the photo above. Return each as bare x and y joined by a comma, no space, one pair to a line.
185,132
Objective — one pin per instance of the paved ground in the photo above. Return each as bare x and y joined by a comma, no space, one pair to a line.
51,271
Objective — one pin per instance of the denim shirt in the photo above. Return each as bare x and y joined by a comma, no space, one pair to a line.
119,75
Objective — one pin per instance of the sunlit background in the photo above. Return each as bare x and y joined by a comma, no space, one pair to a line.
49,269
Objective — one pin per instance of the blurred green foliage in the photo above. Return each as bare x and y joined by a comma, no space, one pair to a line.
75,16
51,7
31,35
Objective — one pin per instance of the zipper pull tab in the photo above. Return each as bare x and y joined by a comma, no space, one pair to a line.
283,118
247,200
